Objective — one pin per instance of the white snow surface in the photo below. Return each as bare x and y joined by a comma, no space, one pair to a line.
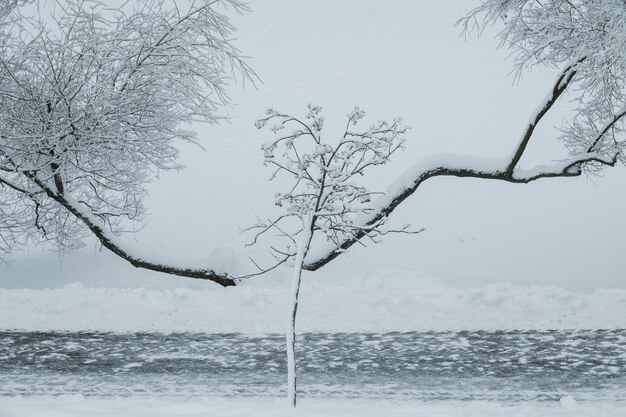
77,406
378,300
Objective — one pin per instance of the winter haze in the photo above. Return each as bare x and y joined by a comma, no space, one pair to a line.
457,95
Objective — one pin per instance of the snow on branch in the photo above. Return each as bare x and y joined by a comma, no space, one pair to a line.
326,176
112,242
460,166
94,97
584,37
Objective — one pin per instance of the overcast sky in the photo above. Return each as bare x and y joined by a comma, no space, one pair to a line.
458,95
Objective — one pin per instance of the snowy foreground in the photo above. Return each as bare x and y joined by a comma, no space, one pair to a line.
372,301
378,301
79,407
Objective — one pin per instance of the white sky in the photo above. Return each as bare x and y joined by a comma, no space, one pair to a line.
458,96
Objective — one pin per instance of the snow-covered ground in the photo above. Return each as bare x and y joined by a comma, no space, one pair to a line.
76,406
378,300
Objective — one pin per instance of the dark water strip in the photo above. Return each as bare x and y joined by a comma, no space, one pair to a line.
482,365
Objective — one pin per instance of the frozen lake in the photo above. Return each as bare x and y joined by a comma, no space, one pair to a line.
508,366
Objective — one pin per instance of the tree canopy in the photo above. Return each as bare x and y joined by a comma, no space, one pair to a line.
93,98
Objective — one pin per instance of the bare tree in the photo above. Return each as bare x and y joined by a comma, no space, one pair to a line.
586,39
325,196
93,98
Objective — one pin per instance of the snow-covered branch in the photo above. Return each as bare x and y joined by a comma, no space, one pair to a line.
460,166
560,86
326,173
94,97
586,38
112,242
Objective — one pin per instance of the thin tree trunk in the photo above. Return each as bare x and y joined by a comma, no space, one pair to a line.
303,247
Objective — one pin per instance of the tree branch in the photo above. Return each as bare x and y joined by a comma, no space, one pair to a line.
110,241
559,88
459,167
503,169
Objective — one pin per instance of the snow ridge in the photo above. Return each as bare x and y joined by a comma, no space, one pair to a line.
381,302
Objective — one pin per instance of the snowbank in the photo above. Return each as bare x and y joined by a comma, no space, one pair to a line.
76,406
377,301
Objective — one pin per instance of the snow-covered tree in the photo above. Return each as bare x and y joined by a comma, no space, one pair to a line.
325,195
587,40
93,97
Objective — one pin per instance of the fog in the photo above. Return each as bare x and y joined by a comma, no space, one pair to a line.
458,96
